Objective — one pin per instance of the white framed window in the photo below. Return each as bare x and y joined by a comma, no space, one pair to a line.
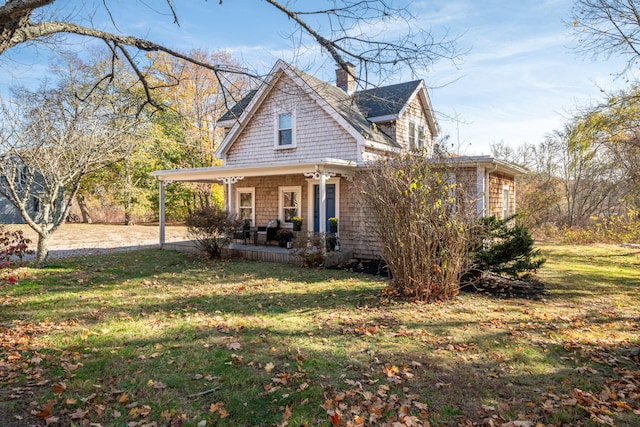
416,136
246,203
505,201
422,137
285,130
412,135
289,204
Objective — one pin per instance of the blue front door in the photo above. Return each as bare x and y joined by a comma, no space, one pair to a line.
331,205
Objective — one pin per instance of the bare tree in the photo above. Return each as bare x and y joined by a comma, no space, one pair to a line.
608,27
50,142
350,31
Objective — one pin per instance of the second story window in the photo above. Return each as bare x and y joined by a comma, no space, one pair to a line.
412,136
285,130
416,136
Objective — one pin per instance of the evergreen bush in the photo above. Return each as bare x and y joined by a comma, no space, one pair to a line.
505,248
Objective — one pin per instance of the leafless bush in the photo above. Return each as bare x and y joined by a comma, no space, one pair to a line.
425,222
212,228
307,247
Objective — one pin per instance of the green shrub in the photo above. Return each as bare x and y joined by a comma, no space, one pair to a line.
505,247
212,228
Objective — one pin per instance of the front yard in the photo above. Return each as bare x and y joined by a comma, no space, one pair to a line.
157,338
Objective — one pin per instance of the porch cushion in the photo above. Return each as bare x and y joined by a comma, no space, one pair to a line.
272,223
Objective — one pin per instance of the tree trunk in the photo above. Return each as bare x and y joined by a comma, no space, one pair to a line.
43,249
84,210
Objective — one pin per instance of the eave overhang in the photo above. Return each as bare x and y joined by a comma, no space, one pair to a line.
215,173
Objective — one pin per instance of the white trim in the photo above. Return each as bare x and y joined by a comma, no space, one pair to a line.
213,173
251,190
387,118
281,190
505,209
276,121
310,183
421,91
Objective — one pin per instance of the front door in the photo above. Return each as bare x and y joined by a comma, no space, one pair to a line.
331,205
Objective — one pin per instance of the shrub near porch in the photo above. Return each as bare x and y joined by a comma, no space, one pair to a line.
158,337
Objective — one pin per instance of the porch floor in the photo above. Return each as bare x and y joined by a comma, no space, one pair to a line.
268,253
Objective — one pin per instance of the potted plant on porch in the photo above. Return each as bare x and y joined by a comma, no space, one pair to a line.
333,225
284,238
297,223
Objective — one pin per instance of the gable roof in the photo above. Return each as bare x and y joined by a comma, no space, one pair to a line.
359,111
236,111
386,100
344,105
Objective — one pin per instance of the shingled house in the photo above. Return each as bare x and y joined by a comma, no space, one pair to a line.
291,145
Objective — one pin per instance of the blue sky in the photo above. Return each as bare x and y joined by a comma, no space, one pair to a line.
517,82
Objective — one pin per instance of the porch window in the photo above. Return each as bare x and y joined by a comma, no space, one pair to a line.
505,201
246,203
285,130
289,204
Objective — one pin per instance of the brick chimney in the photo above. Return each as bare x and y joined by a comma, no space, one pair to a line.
345,79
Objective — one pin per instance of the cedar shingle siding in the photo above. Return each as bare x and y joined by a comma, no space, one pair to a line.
317,135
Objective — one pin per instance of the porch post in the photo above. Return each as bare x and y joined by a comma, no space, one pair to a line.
322,177
322,193
161,185
230,180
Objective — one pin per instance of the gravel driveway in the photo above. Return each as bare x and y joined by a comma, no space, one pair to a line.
87,239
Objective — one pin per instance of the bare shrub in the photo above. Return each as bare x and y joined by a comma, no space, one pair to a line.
418,209
212,229
307,247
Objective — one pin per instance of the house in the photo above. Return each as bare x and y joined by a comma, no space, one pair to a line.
291,145
9,213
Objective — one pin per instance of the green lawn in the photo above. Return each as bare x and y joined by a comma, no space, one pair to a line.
157,338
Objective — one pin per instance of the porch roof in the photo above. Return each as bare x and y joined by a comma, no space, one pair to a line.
488,162
217,173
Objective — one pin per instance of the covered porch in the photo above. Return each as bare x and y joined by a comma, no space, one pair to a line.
311,191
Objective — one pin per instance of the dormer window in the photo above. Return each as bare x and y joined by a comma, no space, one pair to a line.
285,135
416,136
412,136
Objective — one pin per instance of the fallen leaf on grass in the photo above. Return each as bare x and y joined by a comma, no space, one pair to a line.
45,412
285,416
335,419
156,384
234,345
